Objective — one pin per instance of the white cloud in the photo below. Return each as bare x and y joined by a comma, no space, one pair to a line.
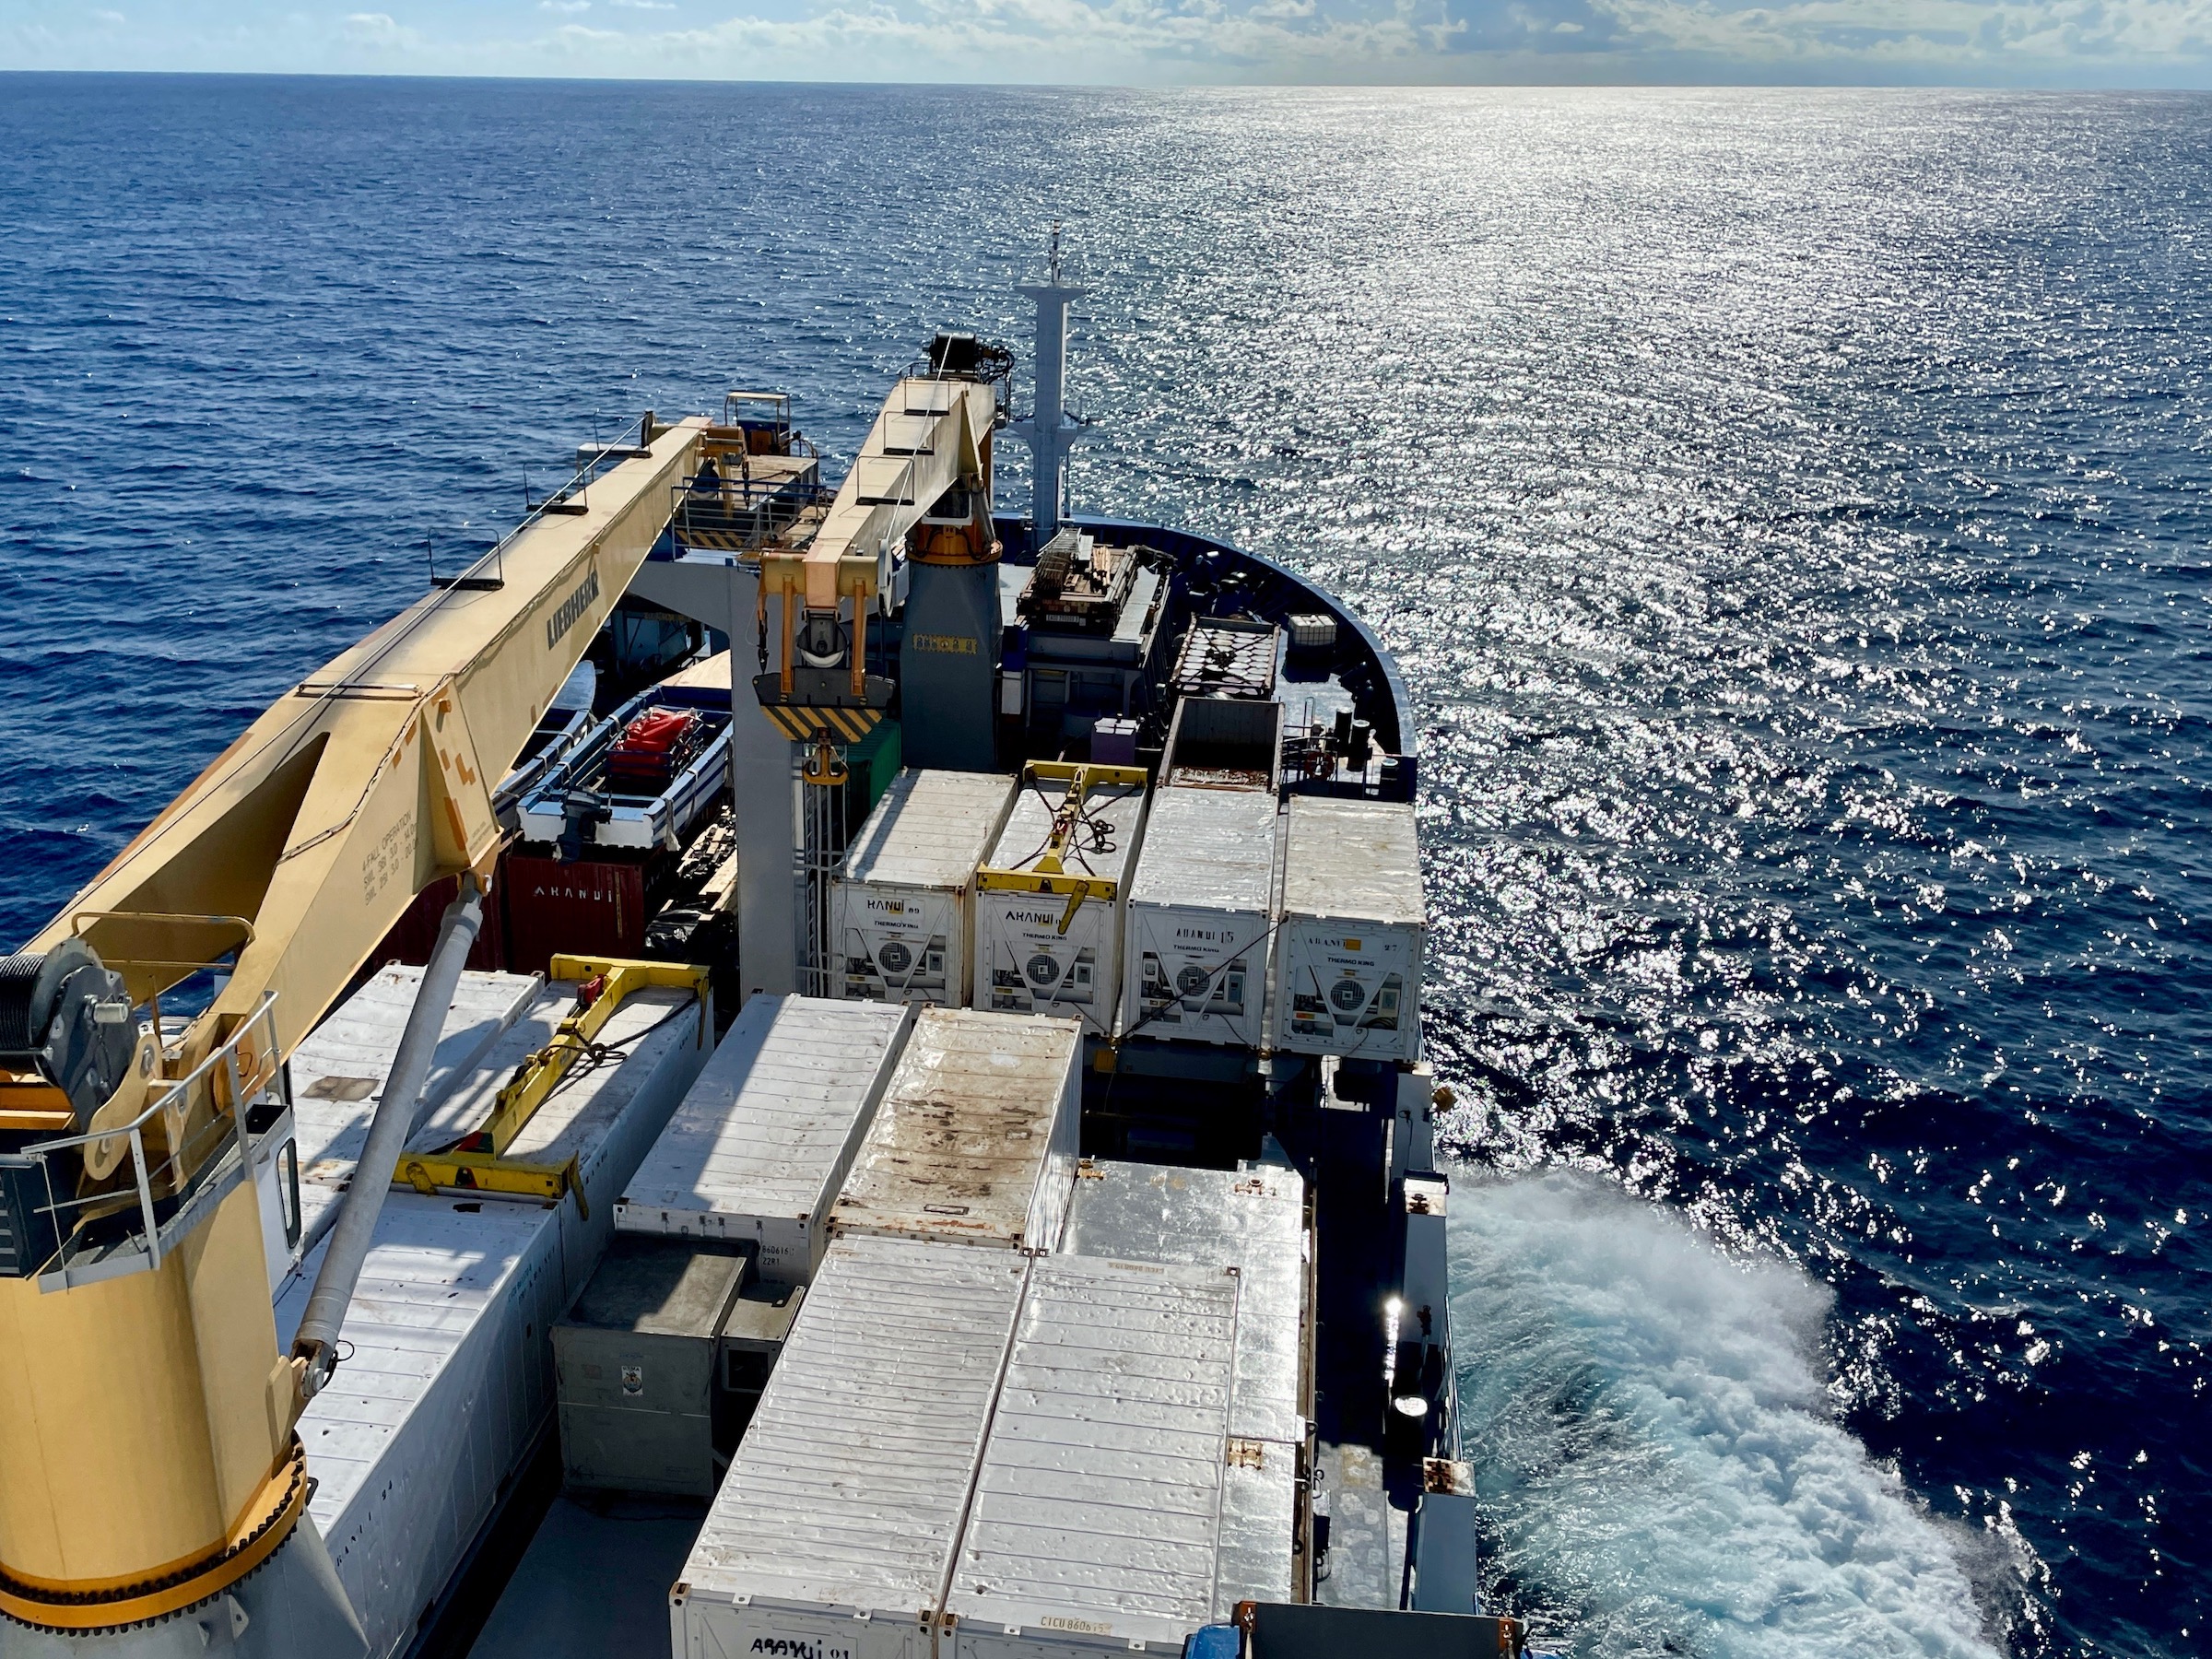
1379,41
1064,39
1934,33
375,29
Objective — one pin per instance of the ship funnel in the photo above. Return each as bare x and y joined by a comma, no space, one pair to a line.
1051,430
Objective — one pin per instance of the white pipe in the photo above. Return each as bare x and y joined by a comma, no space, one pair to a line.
317,1342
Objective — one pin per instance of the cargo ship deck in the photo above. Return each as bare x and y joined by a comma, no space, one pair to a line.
907,1133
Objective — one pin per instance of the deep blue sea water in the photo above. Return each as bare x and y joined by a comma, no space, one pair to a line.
1790,510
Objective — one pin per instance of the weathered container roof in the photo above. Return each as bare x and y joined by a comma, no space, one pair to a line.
338,1071
1208,848
930,829
1097,1500
1251,1219
966,1127
850,1484
1353,860
772,1120
1116,811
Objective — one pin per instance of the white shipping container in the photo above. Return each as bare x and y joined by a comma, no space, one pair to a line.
976,1139
446,1379
1252,1219
1200,919
338,1070
903,923
1043,944
448,1369
1258,1559
1096,1520
761,1144
1349,952
835,1529
606,1117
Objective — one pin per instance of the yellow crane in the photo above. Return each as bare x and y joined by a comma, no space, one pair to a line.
148,1458
926,461
149,1463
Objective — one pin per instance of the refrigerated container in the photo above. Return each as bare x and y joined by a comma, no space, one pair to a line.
759,1148
1349,951
1250,1218
835,1529
977,1136
1113,1505
1049,901
1200,923
901,912
447,1377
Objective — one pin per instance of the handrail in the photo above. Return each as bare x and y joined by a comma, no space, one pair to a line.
169,1098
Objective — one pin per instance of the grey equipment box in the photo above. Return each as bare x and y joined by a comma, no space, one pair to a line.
752,1341
1224,743
635,1363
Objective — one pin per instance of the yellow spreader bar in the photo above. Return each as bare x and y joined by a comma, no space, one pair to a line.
1048,873
428,1172
605,981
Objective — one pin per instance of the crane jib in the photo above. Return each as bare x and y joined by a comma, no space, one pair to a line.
572,608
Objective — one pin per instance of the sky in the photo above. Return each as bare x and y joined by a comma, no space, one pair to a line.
2002,43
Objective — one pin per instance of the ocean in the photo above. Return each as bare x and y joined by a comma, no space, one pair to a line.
1790,512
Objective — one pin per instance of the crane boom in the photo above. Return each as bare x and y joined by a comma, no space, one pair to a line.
148,1458
373,777
932,436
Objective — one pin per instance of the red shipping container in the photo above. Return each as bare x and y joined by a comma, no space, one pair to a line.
581,909
414,934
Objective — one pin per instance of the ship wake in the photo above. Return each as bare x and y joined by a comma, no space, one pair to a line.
1658,1470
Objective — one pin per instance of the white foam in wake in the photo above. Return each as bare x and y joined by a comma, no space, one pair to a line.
1647,1424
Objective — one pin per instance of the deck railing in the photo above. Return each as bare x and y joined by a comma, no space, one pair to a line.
163,1200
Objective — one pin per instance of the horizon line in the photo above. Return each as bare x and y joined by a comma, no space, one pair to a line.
1654,84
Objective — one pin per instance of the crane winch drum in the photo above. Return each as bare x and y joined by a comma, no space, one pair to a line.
65,1016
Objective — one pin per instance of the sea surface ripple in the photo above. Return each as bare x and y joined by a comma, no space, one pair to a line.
1789,510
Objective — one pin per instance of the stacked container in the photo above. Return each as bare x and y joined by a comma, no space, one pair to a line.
976,1139
1252,1219
901,913
761,1144
1048,940
981,1454
449,1366
1348,953
1196,941
834,1532
1096,1525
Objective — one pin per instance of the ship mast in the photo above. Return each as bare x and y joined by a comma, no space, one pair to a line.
1051,430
